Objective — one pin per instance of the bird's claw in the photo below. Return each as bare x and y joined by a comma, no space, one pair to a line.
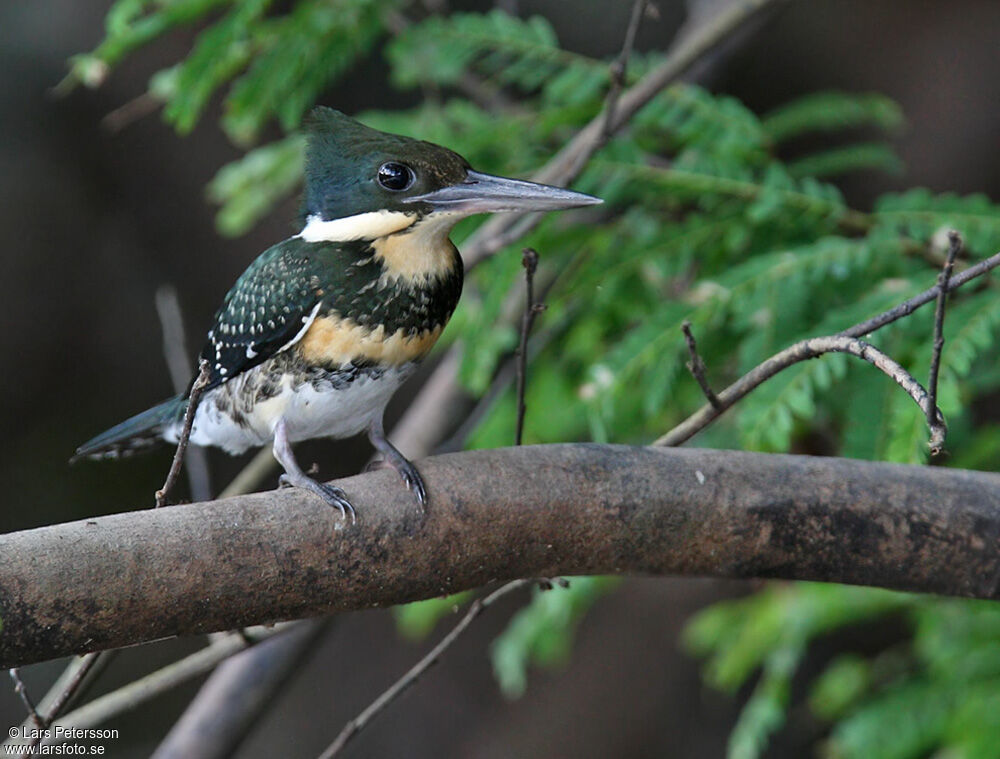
414,482
333,496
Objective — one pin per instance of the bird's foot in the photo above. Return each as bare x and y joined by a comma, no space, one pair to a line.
399,462
333,496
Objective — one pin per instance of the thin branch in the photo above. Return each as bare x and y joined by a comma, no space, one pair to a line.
529,260
358,724
503,378
87,663
71,684
697,367
22,693
128,113
620,67
748,382
175,466
954,246
168,308
909,306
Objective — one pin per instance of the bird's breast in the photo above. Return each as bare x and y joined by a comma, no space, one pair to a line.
333,340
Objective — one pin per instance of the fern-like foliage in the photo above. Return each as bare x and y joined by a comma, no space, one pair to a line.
921,214
832,111
277,63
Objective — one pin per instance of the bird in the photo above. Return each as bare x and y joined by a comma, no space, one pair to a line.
319,332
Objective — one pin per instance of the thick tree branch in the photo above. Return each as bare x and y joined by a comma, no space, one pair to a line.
495,515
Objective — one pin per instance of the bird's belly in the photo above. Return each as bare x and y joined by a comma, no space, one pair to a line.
243,412
321,409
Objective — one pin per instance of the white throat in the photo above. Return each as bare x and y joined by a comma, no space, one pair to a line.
363,226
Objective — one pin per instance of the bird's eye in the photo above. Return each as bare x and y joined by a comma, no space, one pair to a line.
396,176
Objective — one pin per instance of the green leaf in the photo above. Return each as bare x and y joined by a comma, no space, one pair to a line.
510,50
920,214
220,52
864,156
840,686
906,723
764,712
300,54
250,187
832,111
417,620
131,24
542,632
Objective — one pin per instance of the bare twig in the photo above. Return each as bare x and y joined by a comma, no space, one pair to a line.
909,306
503,378
175,353
954,246
175,466
750,381
620,67
22,692
87,663
529,259
358,724
697,367
168,308
128,113
70,684
794,354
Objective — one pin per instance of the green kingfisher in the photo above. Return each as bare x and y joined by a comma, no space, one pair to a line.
321,329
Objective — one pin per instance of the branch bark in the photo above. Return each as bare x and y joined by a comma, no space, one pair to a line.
575,509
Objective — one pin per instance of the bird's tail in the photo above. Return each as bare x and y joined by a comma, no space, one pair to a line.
140,432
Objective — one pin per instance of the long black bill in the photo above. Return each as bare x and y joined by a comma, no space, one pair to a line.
484,193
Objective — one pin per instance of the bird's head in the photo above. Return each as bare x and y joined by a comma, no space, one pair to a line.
361,183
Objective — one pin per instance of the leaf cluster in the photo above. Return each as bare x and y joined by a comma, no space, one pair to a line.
936,692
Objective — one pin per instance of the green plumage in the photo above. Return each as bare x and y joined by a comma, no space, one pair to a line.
275,297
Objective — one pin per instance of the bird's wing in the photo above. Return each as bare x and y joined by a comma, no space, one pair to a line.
269,309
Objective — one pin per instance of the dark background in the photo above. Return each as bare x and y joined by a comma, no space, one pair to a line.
92,222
